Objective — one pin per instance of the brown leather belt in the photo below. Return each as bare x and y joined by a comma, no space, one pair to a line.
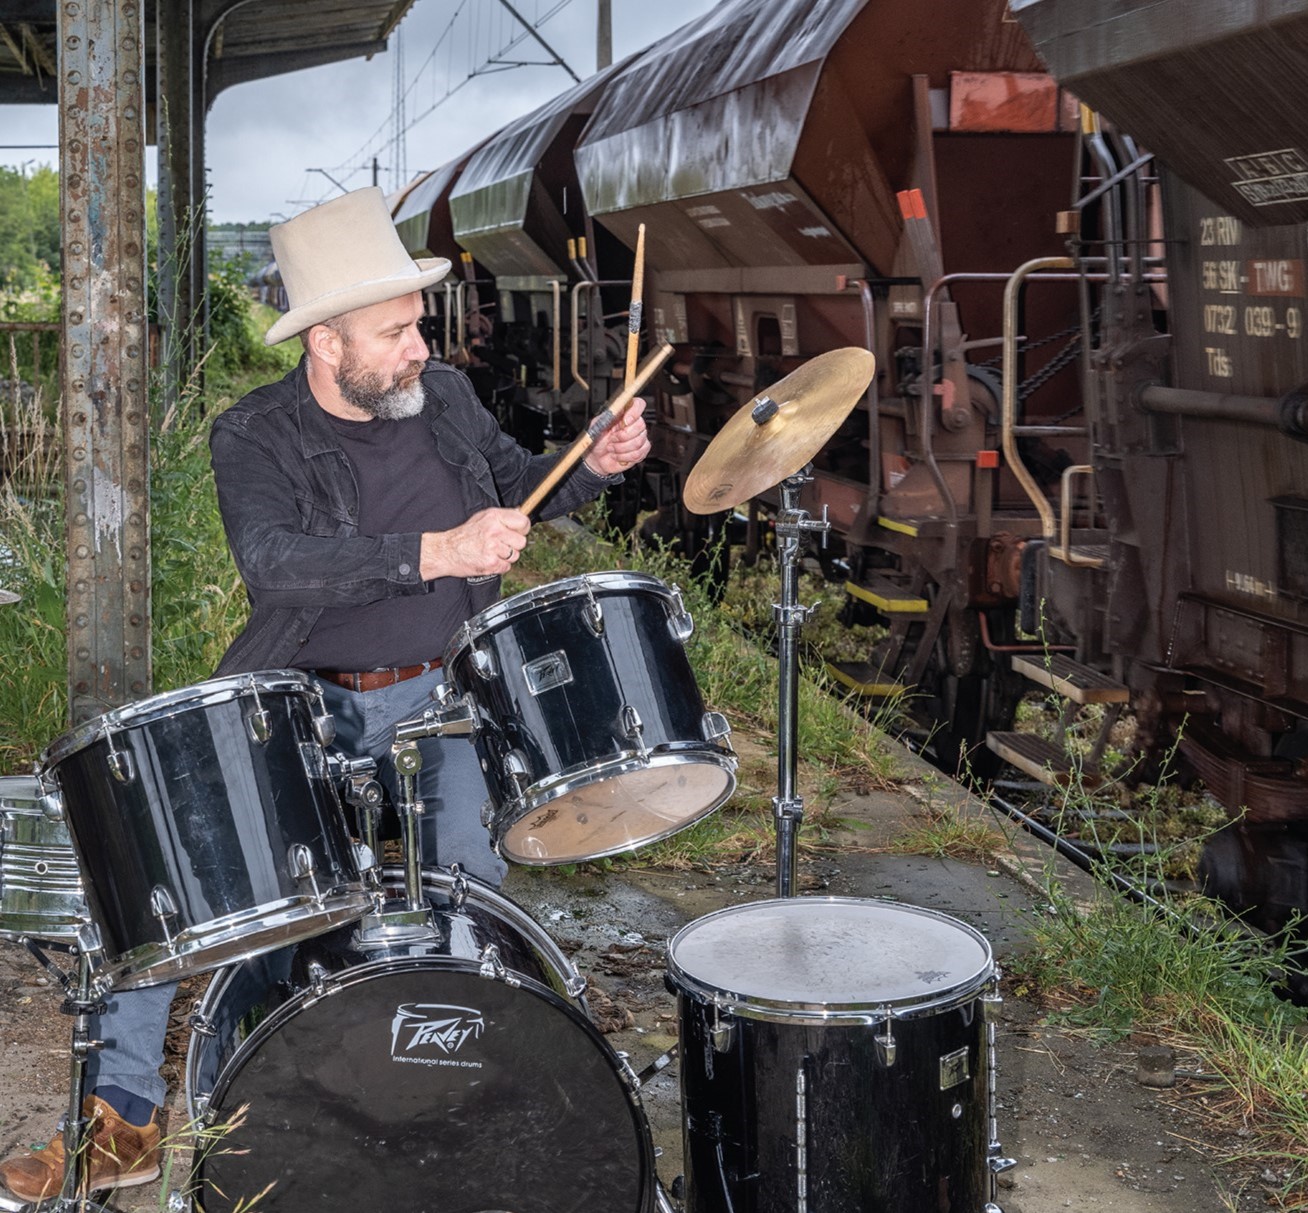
371,680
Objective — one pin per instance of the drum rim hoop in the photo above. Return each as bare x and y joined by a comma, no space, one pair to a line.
517,915
155,960
211,692
756,1006
709,755
552,593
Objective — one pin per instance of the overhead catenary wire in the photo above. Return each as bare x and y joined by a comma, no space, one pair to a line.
484,42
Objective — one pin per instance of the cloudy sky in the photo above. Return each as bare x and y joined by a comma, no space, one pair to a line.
265,138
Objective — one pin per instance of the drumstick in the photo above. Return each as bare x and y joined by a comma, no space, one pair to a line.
607,417
637,307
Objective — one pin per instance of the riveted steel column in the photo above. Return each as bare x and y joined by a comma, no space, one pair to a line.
102,199
176,204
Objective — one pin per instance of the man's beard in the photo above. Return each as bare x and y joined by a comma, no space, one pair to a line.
366,390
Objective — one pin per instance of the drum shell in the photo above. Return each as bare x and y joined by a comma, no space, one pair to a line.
41,895
209,813
577,731
783,1106
328,1118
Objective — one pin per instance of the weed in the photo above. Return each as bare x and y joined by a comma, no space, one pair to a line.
945,831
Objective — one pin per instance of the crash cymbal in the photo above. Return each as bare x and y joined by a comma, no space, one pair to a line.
779,431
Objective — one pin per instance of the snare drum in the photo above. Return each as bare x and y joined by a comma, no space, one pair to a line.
206,826
836,1054
457,1073
41,894
591,730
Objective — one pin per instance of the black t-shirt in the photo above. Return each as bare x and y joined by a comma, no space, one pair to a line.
404,486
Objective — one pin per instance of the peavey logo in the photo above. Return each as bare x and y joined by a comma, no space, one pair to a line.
429,1034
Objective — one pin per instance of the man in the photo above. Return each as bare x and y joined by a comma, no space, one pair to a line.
368,500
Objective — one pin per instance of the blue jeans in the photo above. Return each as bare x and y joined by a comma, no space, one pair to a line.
452,790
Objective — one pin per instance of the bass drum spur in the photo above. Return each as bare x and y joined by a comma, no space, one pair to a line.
456,1073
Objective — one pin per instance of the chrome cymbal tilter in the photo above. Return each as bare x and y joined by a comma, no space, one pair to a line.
788,807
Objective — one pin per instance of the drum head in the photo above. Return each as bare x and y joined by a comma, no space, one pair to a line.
828,958
618,812
418,1085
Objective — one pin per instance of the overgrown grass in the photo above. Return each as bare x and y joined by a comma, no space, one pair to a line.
1182,970
197,601
944,831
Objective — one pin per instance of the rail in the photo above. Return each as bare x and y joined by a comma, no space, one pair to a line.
926,392
1212,406
1008,413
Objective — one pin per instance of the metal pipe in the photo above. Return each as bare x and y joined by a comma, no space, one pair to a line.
788,806
1214,406
555,285
449,313
1119,176
1135,209
1019,469
1111,208
1049,431
873,399
576,335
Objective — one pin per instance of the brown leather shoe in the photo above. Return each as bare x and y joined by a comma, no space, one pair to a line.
121,1155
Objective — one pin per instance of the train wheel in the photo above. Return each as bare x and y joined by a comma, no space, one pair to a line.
962,701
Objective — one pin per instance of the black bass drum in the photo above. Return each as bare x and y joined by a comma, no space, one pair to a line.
455,1074
836,1055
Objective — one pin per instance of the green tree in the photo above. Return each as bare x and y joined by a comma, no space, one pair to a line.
17,252
43,206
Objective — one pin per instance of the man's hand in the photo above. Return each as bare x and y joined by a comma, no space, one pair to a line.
622,445
489,542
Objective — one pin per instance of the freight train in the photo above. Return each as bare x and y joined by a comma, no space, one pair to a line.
1072,233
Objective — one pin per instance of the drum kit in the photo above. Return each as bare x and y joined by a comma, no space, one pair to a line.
397,1036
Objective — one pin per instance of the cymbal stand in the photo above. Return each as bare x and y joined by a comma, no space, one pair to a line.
83,997
792,525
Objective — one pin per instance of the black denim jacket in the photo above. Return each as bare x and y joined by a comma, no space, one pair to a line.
290,506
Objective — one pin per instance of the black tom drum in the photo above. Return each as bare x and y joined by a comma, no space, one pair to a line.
591,729
206,825
836,1054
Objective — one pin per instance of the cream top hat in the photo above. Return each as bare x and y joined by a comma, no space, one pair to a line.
342,255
